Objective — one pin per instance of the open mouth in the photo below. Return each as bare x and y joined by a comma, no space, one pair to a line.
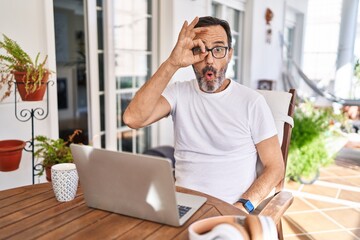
209,75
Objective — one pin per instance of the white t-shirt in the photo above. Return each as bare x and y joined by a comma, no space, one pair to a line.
215,137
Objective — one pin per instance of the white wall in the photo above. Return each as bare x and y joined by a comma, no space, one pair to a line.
265,59
30,23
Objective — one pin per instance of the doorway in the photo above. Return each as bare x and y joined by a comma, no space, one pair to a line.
71,68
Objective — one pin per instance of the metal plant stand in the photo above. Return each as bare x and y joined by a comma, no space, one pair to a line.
25,115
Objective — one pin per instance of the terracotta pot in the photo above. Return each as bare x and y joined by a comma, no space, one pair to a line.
48,173
38,95
10,154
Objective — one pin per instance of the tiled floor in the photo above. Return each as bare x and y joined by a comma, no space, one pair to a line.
329,208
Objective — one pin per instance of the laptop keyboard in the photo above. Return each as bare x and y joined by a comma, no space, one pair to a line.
183,210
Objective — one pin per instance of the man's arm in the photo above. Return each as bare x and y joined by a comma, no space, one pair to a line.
148,105
271,157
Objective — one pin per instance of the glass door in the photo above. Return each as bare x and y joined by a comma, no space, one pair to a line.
121,58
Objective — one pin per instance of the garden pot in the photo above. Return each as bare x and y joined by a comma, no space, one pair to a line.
10,154
48,173
309,179
38,95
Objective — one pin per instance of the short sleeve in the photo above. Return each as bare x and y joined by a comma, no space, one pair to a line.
170,94
262,124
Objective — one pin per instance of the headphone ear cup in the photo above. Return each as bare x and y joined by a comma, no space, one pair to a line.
226,231
269,228
254,228
261,228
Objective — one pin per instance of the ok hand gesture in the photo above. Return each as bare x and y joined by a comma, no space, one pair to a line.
182,55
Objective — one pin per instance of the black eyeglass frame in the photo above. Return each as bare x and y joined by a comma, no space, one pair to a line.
197,50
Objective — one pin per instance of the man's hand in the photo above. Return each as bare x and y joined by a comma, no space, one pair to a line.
182,55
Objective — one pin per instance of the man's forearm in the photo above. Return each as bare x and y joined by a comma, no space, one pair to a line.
148,106
146,99
263,185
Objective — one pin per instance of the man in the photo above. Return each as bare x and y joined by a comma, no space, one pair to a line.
220,126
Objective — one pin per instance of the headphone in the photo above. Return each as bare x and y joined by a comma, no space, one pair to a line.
249,227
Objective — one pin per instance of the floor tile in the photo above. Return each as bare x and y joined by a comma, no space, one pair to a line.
311,219
331,235
349,195
348,181
298,205
290,226
320,190
308,222
341,235
342,171
348,218
324,205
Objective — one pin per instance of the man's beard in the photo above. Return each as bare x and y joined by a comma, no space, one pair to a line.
210,86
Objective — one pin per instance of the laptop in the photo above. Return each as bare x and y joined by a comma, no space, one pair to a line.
135,185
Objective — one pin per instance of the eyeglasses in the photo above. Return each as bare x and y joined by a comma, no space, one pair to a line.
217,52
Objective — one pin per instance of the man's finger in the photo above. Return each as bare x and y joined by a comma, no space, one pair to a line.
200,29
196,31
183,29
194,22
199,43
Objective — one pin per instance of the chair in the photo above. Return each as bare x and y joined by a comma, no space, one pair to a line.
162,151
282,105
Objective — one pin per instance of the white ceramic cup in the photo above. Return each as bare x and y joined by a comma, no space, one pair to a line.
64,181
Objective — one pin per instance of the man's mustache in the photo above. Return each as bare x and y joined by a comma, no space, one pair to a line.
209,68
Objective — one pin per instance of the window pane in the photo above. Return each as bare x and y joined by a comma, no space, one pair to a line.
133,61
101,71
123,101
143,139
125,141
232,16
100,29
132,69
131,19
216,10
103,141
102,112
235,43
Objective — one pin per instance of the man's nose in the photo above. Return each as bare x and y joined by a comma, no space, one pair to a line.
209,58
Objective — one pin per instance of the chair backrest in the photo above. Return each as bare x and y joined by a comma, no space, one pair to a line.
282,106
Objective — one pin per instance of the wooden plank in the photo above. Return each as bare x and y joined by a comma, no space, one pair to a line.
11,192
75,225
29,222
53,223
26,208
27,205
277,206
140,231
26,193
168,232
109,227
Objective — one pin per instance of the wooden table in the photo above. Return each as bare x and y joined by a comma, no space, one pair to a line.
33,212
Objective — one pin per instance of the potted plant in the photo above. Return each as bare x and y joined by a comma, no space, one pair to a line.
10,154
53,151
31,76
315,140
